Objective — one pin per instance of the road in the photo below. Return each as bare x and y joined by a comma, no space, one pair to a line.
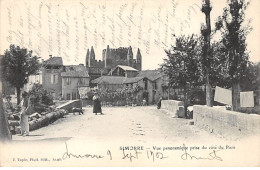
139,124
154,130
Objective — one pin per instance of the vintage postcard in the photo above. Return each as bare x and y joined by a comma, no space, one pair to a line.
146,83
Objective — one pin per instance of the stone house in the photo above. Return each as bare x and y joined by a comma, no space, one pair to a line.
109,82
155,84
59,80
142,82
125,71
74,77
51,75
33,79
152,82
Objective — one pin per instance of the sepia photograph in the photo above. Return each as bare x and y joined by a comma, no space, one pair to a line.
120,83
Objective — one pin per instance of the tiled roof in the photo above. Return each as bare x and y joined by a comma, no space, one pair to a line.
127,68
150,74
109,80
54,61
75,74
133,80
75,71
116,80
75,68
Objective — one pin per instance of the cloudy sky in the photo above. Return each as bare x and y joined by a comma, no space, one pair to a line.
68,28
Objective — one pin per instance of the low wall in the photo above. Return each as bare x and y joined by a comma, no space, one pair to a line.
69,105
227,124
174,106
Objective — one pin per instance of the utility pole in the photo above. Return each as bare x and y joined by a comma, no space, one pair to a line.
206,9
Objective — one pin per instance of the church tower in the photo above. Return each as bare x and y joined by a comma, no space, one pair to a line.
107,58
130,57
92,54
139,60
87,59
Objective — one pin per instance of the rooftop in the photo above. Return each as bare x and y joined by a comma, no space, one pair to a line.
75,71
133,80
127,68
150,74
109,80
75,68
55,61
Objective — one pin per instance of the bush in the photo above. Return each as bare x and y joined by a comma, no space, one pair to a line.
40,96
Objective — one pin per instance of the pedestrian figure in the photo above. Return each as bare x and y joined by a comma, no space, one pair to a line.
144,102
159,103
26,109
96,104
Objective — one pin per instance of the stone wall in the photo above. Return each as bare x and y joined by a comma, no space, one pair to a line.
175,107
227,124
69,105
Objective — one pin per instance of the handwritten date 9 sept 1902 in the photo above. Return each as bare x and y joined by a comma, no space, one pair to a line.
149,154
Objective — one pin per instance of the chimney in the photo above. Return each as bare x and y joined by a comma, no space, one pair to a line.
50,56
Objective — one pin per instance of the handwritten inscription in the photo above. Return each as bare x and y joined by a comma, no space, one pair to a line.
49,6
68,154
211,156
76,38
154,154
9,15
56,25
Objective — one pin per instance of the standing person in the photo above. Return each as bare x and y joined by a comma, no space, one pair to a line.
25,112
96,104
144,102
159,103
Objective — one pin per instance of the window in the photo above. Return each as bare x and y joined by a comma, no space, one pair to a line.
155,85
81,81
145,84
68,96
54,78
68,81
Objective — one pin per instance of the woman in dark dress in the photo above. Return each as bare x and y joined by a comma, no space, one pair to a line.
96,104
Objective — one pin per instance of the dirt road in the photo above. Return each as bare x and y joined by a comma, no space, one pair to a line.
141,124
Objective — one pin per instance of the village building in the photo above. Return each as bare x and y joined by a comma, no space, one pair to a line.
59,80
74,77
110,59
125,71
152,82
51,75
111,83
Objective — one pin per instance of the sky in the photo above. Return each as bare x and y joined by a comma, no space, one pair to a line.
68,28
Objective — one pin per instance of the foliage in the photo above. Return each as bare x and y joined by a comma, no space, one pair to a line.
252,79
40,96
235,48
183,65
122,96
233,40
18,64
218,66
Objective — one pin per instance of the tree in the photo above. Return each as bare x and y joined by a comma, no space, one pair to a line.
5,134
252,79
206,55
182,66
18,64
234,41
